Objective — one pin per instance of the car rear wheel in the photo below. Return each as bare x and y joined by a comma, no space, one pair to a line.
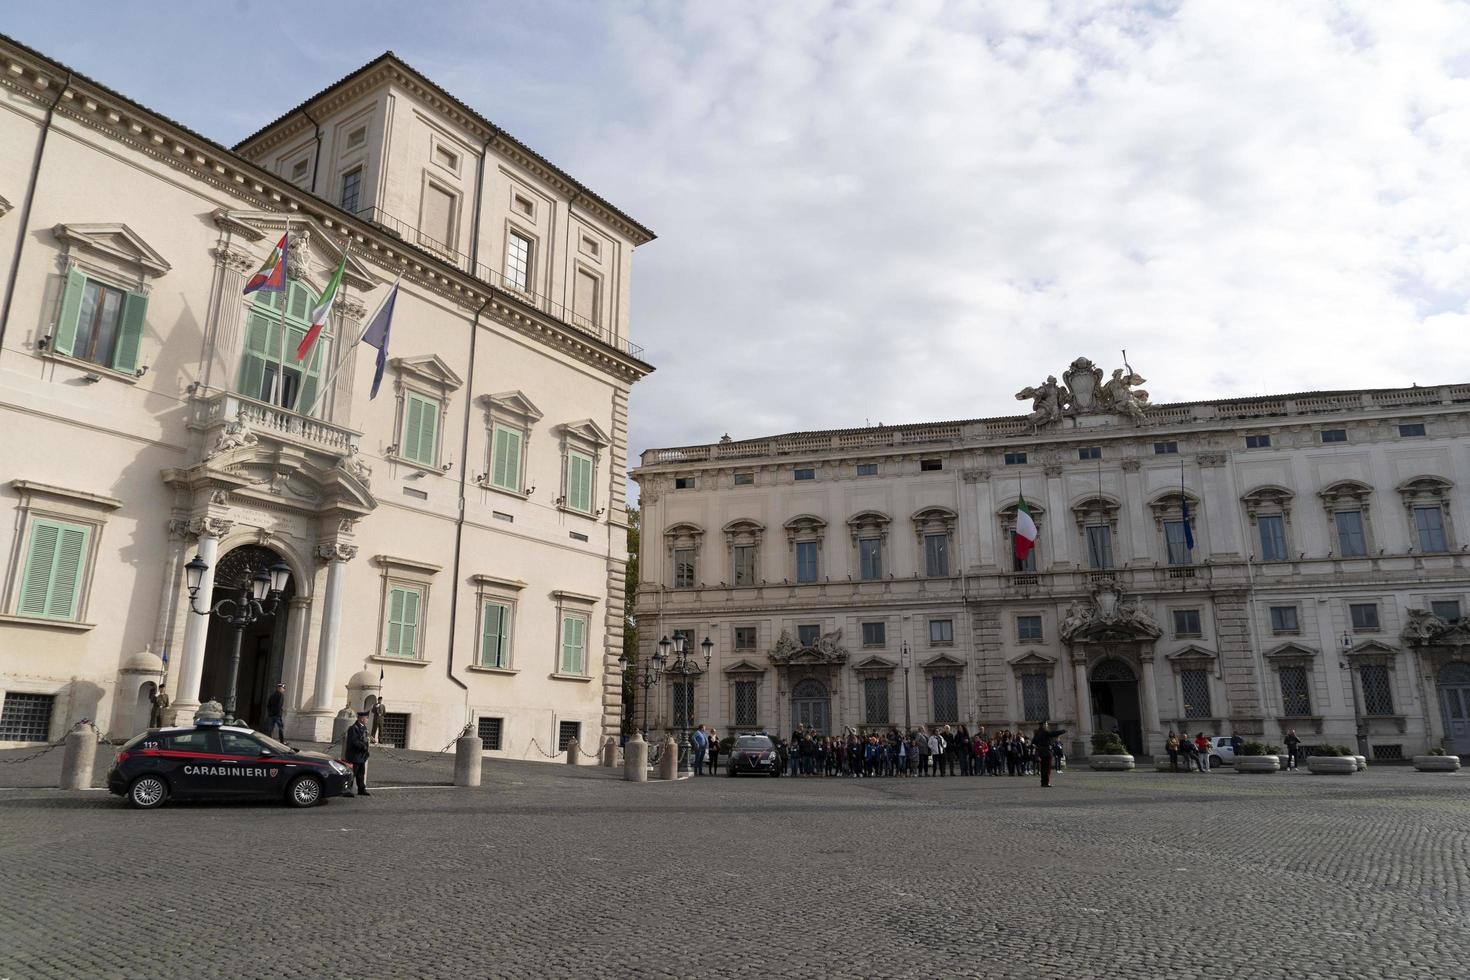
148,792
304,791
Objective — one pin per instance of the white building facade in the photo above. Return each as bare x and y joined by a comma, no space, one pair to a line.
456,545
867,577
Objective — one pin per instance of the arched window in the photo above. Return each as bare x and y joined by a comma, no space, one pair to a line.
269,371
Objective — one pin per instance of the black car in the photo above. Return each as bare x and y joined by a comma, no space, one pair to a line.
753,753
222,762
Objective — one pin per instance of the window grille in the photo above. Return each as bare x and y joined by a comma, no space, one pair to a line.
26,717
489,732
395,731
946,700
568,732
1035,702
1377,694
875,700
1388,752
1296,697
1195,685
745,713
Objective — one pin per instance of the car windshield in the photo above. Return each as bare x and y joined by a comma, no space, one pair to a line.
757,743
278,748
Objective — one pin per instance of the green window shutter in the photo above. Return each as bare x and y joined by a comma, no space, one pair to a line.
428,439
71,309
253,360
53,570
410,645
413,427
506,472
573,635
579,482
493,642
130,335
395,623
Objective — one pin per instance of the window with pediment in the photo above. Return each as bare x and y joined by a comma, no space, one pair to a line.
1268,510
804,534
1177,523
1427,502
1294,666
683,542
1097,523
1007,516
102,307
869,533
1348,518
934,529
423,386
581,448
743,542
509,418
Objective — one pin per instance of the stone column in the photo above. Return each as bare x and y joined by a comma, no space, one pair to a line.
292,674
233,264
336,556
1148,708
196,630
1058,520
1084,702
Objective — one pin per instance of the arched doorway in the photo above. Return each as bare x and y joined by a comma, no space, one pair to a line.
811,706
262,645
1454,703
1114,689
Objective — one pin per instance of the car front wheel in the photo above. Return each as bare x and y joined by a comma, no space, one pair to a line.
148,792
304,791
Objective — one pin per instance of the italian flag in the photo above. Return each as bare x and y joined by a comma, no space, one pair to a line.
322,310
1025,531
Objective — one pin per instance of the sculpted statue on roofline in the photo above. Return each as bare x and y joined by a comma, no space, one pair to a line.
1083,392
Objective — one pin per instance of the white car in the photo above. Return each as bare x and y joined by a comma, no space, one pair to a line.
1222,753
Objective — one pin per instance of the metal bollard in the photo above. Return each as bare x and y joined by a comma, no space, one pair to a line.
668,763
78,758
610,753
467,760
635,759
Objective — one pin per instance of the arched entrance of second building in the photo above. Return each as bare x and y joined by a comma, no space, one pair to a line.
1114,689
1453,682
811,706
262,644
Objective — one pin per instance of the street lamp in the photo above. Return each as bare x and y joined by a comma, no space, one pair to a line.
1359,728
645,678
904,658
682,666
257,598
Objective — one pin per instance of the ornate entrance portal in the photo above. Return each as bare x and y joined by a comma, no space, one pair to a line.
262,645
811,707
1114,690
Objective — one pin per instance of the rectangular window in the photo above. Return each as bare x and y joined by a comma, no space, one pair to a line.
402,635
1377,692
495,635
1296,696
875,700
1411,430
419,441
1035,699
568,732
930,465
579,482
1446,609
573,645
576,536
1176,545
1351,542
1364,615
744,479
351,190
1028,628
1284,620
56,560
745,703
941,631
1429,525
683,568
1089,452
808,634
745,638
1166,448
870,559
1014,459
489,730
1195,686
683,483
505,468
867,469
806,561
1334,435
501,515
936,555
518,262
99,323
1272,530
875,634
804,473
1186,622
743,556
446,158
1258,442
26,717
946,699
1099,546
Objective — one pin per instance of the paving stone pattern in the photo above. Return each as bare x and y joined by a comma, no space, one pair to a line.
548,871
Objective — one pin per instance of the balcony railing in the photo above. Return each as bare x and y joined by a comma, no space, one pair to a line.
272,421
447,253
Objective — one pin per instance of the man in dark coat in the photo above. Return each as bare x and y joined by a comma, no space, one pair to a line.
1043,739
275,711
357,751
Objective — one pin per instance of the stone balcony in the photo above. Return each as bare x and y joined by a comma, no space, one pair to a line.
223,416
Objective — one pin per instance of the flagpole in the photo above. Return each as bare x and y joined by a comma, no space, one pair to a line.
347,349
331,376
280,398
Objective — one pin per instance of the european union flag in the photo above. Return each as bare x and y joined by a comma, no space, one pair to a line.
1188,534
376,335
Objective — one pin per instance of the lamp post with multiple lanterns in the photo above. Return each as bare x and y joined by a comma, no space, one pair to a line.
257,598
682,666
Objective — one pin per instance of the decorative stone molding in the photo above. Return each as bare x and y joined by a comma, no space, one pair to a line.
117,242
975,475
1210,460
1131,465
336,551
1294,654
1109,618
1032,662
213,527
1268,500
1167,507
1096,509
935,520
866,524
235,260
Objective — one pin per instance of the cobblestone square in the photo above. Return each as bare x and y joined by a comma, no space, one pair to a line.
552,871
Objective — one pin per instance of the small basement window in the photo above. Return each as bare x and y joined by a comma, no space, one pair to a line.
930,465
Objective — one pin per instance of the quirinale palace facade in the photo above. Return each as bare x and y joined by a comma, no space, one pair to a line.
866,577
456,545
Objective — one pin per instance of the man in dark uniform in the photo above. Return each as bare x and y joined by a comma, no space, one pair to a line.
275,711
160,705
1043,739
357,751
379,713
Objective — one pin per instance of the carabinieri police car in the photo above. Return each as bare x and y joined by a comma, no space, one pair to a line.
215,761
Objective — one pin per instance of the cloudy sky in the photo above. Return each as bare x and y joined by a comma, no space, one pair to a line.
907,211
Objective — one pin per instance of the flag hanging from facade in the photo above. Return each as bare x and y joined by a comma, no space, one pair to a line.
376,335
322,310
1188,534
1025,531
271,277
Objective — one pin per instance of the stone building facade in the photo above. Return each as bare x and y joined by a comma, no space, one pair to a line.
867,577
456,545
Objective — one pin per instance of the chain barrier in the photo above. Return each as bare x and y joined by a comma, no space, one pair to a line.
391,754
102,739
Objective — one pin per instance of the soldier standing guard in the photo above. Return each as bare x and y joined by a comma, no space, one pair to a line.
356,752
160,704
378,712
